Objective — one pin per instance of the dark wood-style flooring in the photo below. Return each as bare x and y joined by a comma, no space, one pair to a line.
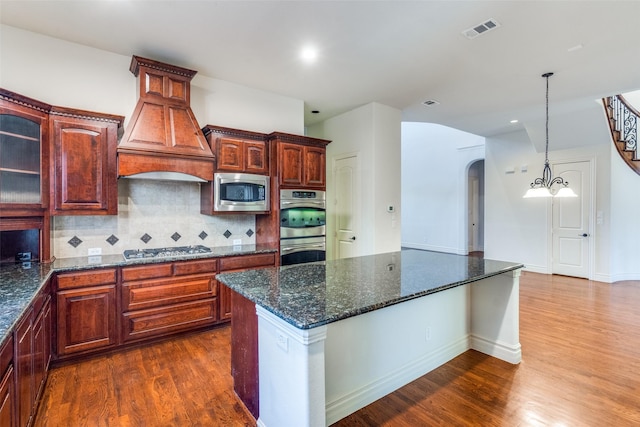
581,367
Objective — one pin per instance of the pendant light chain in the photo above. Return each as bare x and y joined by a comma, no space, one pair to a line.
546,125
542,187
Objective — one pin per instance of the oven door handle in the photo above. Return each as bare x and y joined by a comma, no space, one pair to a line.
294,249
302,204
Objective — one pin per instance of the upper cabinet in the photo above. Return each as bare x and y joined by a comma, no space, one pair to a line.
83,166
237,150
23,154
301,161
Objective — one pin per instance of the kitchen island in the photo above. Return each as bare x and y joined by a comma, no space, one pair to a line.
334,336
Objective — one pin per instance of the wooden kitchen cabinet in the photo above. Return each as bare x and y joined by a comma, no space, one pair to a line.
238,150
240,263
302,166
42,334
161,299
32,338
24,155
86,312
301,161
24,177
83,167
25,379
7,385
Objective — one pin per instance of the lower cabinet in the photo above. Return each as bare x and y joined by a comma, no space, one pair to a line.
41,347
106,308
31,355
162,299
86,311
7,385
240,263
23,358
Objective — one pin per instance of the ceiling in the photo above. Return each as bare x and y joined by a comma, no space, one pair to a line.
397,53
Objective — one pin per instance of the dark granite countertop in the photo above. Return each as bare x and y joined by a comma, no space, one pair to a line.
20,283
314,294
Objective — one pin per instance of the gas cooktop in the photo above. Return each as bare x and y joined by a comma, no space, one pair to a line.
165,252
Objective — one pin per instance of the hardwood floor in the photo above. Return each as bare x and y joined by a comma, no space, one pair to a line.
581,367
182,382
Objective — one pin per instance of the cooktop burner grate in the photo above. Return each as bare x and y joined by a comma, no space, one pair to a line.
165,252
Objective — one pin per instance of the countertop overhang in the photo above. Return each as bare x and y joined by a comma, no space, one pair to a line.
315,294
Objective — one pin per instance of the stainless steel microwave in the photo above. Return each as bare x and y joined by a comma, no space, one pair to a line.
241,192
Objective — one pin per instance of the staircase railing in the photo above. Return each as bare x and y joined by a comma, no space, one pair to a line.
623,122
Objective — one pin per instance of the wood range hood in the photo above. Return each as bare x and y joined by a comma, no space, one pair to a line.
163,139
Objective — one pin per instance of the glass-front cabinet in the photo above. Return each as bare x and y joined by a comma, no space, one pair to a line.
23,153
24,179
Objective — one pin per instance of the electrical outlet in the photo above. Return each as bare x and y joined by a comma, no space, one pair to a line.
237,242
283,341
94,251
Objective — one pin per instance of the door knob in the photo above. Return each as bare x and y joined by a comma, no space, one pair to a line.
353,238
584,235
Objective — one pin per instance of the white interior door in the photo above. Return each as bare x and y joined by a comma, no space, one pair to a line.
346,175
473,216
571,221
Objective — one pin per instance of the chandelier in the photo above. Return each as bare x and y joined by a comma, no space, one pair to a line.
543,187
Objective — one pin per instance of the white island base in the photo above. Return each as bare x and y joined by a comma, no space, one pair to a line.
315,377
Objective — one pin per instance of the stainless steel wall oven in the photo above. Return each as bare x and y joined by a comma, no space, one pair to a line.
302,226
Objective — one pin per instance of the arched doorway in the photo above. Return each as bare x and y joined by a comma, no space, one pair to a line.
475,208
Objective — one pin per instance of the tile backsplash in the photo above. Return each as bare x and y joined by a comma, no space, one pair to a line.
151,214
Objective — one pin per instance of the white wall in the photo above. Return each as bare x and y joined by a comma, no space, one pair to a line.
624,220
76,76
71,75
373,132
518,229
435,162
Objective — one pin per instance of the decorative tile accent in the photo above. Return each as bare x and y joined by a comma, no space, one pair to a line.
176,236
112,240
227,234
75,241
203,235
145,238
249,232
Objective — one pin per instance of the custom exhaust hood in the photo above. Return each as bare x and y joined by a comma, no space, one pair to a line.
163,139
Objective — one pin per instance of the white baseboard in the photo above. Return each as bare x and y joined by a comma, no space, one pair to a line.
508,353
624,276
345,405
425,247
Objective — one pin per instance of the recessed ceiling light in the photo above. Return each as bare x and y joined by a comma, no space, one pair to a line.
309,54
430,102
315,111
514,121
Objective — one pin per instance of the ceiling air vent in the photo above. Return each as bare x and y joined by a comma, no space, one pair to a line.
430,102
486,26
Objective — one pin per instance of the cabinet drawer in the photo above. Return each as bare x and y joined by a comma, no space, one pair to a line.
86,278
193,267
146,272
248,261
153,293
160,321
